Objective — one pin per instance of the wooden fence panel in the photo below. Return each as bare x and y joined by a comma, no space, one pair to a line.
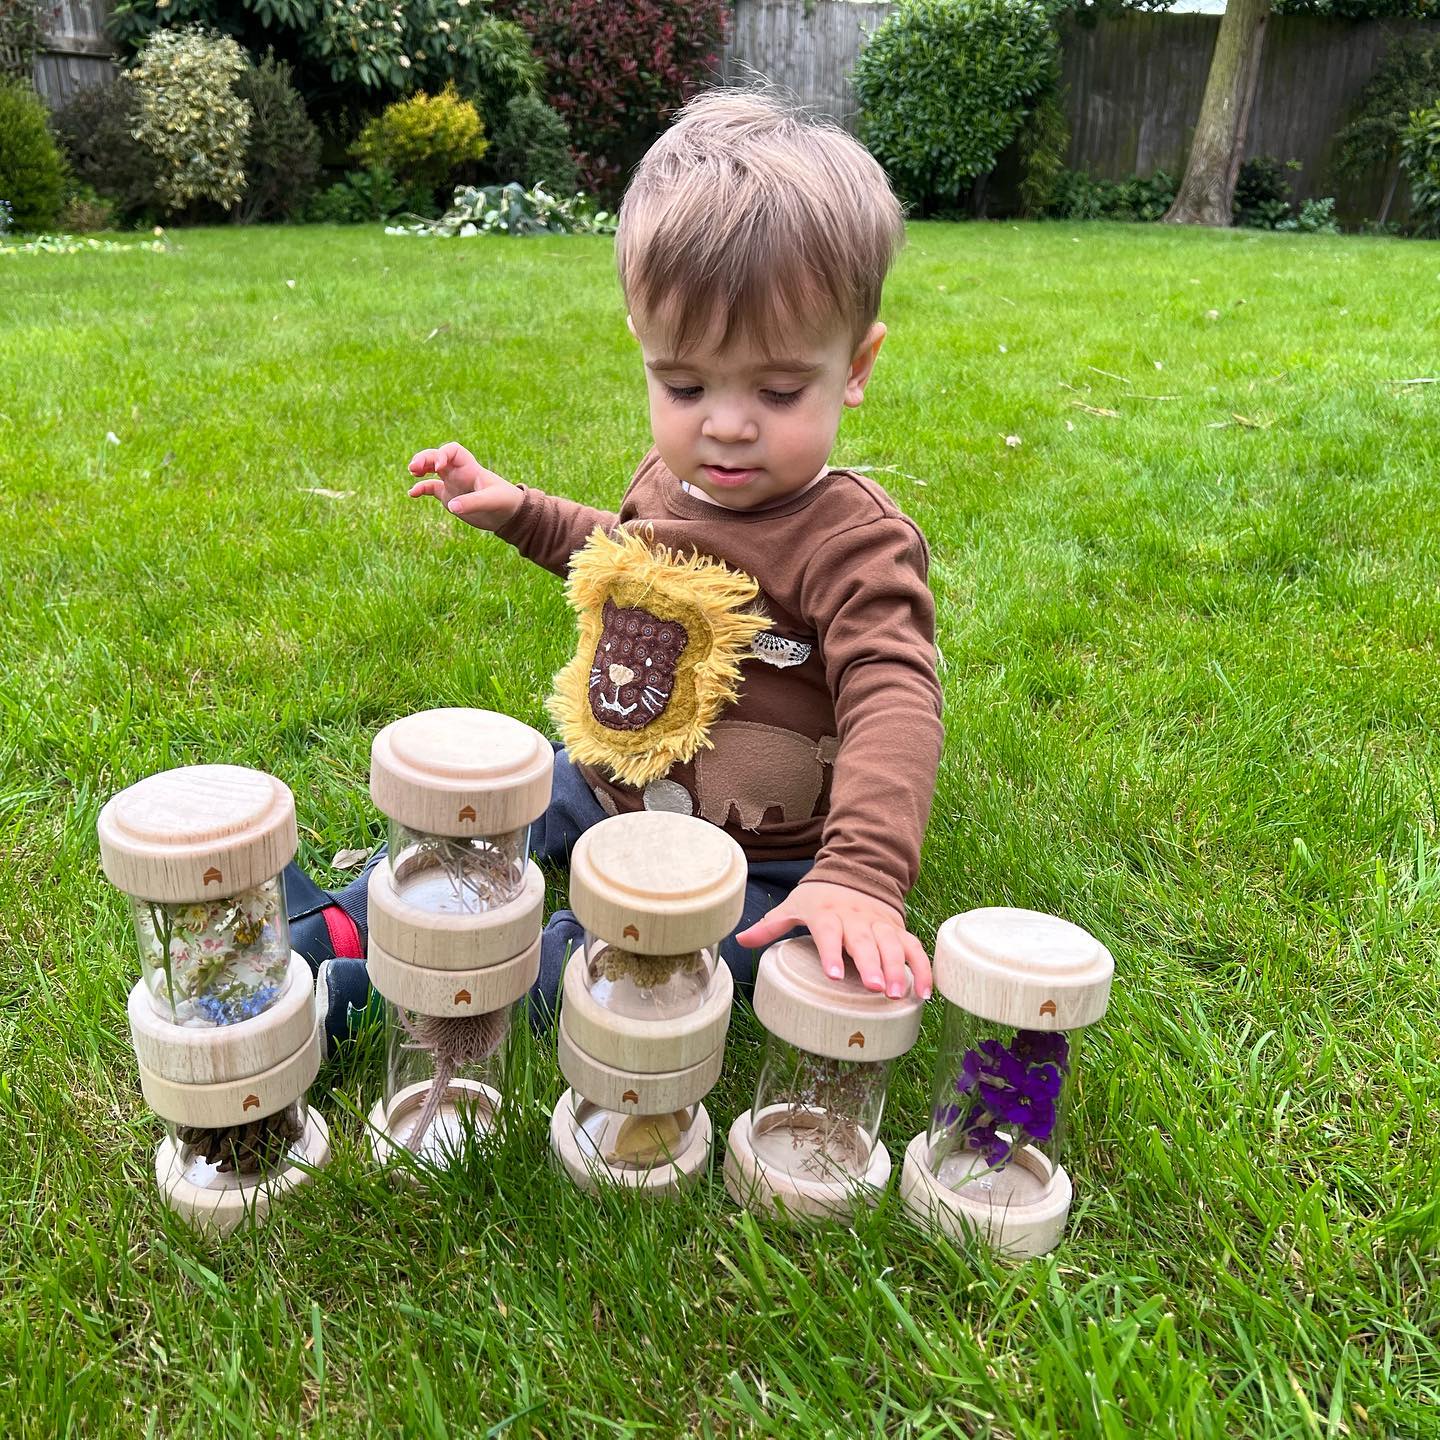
76,51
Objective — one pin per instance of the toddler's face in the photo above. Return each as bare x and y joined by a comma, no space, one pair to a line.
747,428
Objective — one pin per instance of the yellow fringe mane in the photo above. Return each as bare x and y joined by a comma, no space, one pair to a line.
703,595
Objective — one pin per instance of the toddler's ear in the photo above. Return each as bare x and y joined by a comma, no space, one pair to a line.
862,363
630,326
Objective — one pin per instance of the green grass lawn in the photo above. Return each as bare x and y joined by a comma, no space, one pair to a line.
1189,630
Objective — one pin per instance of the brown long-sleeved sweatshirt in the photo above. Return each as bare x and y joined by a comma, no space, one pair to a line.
831,749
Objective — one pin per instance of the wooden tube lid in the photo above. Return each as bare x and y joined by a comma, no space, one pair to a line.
234,1102
1023,968
657,883
635,1092
461,772
207,1055
454,992
797,1001
649,1046
453,942
197,833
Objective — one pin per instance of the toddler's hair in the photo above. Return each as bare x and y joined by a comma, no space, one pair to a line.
748,217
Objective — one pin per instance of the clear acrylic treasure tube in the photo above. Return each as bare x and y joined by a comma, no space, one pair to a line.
222,1018
454,921
1019,987
646,1000
809,1147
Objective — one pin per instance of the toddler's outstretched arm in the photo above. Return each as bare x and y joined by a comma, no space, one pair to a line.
465,487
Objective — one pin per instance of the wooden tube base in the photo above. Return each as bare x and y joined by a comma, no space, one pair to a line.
589,1171
220,1208
468,1105
1015,1231
755,1185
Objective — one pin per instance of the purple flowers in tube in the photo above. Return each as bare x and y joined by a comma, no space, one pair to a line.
1015,1086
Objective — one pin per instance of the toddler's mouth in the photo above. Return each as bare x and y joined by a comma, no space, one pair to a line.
724,475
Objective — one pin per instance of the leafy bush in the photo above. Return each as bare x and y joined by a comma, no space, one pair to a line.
32,173
96,130
945,85
282,157
513,210
1420,160
1408,80
532,146
20,35
424,140
1044,139
617,72
190,116
1077,196
84,210
1316,217
346,54
365,196
1262,193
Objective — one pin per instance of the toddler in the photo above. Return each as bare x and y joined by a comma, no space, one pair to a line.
756,630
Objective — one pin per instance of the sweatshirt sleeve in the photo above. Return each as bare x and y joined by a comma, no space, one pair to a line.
867,595
549,529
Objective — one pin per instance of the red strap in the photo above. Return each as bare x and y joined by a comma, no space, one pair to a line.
344,934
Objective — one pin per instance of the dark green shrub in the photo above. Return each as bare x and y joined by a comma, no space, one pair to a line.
1420,160
32,172
532,146
1079,197
365,196
95,129
1262,193
1044,139
282,156
945,85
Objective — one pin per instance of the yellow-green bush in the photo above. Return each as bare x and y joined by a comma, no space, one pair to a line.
424,139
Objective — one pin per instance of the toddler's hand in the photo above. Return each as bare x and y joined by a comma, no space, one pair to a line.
843,922
465,487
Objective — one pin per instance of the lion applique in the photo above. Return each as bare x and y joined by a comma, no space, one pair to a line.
661,641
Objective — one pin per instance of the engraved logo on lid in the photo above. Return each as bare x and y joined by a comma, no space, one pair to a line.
462,997
467,812
630,1097
250,1102
858,1038
1048,1008
212,876
630,933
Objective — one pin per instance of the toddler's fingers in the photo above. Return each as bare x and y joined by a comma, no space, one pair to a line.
866,955
829,937
919,965
423,463
892,957
478,502
428,487
765,929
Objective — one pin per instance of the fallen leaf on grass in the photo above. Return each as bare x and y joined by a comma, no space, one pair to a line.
349,859
1419,380
328,494
1096,410
438,330
1212,314
112,437
289,284
1244,421
1109,374
1014,442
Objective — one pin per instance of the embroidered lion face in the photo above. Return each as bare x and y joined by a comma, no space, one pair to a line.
633,673
661,640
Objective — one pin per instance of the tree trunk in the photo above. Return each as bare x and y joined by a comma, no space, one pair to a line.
1208,189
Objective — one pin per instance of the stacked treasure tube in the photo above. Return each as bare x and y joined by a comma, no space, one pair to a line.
454,920
222,1018
646,1000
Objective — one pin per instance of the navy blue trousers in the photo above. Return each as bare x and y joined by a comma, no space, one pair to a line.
573,810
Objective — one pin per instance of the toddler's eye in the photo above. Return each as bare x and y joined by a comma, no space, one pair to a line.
682,392
782,397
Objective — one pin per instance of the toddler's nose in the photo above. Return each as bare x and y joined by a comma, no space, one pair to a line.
621,674
729,426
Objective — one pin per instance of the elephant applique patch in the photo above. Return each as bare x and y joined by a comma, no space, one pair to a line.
661,641
753,768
